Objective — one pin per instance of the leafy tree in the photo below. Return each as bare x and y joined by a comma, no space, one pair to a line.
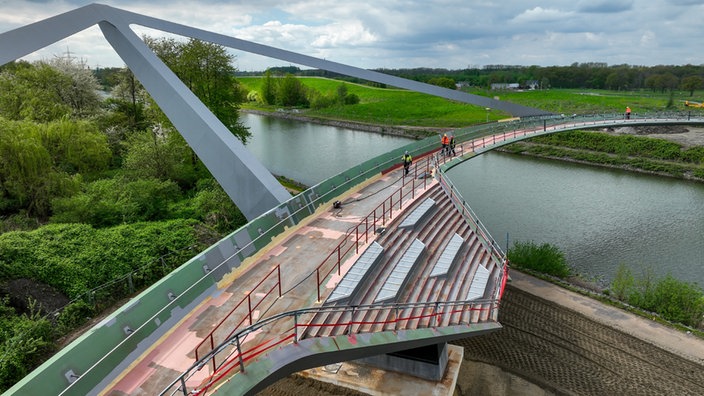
164,155
341,93
31,93
75,146
691,84
662,82
46,91
445,82
206,69
82,94
215,208
130,99
291,92
110,202
268,88
29,176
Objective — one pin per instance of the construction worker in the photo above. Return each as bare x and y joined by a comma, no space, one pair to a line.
407,160
445,141
628,113
451,147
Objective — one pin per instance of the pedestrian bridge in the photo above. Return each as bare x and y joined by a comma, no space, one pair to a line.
366,263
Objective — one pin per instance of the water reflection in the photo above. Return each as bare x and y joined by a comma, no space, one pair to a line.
310,153
598,217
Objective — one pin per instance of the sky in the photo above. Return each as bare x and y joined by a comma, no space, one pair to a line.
396,34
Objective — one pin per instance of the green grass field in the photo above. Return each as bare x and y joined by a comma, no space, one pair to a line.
390,106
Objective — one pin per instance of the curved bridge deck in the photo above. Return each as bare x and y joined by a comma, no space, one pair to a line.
282,278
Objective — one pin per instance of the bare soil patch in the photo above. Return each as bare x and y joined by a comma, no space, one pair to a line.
687,136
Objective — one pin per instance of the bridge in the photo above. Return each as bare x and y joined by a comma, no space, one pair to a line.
368,265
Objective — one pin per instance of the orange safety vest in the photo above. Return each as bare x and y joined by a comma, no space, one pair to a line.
445,140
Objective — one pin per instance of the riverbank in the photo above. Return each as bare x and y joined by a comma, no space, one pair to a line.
411,132
686,137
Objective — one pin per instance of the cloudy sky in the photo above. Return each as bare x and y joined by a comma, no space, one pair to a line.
452,34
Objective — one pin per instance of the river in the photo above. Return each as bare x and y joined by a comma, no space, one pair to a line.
598,217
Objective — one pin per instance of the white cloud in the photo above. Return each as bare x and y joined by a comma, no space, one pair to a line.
541,15
413,33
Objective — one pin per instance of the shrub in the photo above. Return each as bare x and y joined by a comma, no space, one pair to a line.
545,258
111,202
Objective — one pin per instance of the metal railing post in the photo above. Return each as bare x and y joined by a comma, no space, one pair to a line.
278,270
317,278
249,303
239,353
295,328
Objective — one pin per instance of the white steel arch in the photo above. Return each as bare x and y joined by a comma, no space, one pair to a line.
248,183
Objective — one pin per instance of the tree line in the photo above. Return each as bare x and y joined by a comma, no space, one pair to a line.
590,75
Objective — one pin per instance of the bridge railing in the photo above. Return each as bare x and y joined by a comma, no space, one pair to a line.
184,285
236,357
360,234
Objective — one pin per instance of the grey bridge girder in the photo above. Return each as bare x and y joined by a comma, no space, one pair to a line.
248,183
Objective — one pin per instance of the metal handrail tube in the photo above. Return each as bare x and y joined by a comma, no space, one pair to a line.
217,326
237,337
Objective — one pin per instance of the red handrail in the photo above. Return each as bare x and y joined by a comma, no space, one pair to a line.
211,338
338,249
238,360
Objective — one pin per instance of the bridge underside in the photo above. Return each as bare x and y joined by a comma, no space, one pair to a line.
317,352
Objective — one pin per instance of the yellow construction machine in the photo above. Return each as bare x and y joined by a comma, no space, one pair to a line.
693,104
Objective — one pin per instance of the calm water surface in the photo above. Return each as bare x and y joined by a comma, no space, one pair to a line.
598,217
311,153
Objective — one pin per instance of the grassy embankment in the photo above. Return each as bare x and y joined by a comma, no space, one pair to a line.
396,107
389,106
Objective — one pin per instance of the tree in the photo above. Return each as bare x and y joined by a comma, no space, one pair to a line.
39,162
662,82
31,92
82,94
46,91
445,82
691,84
206,69
162,154
130,99
291,92
268,88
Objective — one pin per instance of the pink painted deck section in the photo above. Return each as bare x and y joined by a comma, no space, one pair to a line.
298,255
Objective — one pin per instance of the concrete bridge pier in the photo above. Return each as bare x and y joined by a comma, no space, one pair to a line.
427,362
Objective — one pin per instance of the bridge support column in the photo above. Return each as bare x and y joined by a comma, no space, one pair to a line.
428,362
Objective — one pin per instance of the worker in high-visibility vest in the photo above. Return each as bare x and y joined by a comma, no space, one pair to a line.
445,141
628,113
407,160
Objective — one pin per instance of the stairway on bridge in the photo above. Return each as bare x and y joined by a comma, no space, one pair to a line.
442,224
